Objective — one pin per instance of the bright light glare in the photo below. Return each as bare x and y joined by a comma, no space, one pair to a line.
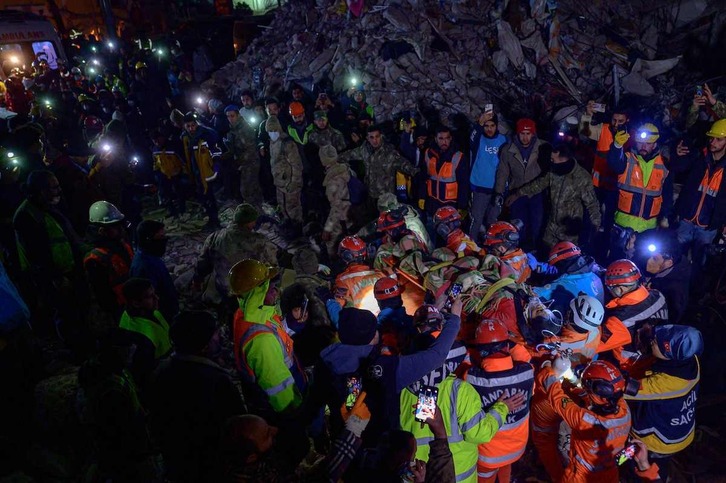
561,134
110,44
106,147
95,62
14,59
353,81
11,154
652,248
369,302
253,120
200,100
643,135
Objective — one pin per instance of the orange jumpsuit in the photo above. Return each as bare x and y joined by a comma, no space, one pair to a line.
354,287
595,440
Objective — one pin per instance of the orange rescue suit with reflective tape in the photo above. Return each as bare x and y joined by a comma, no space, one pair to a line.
442,184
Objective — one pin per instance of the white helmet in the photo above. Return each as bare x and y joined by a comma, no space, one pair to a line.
587,312
104,213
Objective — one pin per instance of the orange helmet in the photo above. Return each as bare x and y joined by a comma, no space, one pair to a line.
603,379
427,318
296,109
352,249
446,214
563,251
389,220
386,288
490,331
502,233
622,272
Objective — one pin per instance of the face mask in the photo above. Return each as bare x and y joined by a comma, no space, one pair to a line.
274,136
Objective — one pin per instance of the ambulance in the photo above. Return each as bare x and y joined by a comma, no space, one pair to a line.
26,37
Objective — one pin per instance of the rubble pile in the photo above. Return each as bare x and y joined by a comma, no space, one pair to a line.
533,58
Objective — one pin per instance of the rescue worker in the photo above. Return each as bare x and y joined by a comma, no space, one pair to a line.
198,142
298,129
398,241
287,171
169,171
394,324
379,163
576,276
272,108
469,423
148,263
604,180
701,204
263,350
570,193
109,262
521,161
324,134
580,335
311,275
631,305
665,405
495,372
447,170
335,183
447,222
225,247
145,327
389,202
502,240
600,423
645,191
245,164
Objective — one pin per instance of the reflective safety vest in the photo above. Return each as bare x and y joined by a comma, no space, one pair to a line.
354,287
117,264
467,424
503,376
518,263
637,198
157,331
167,162
442,184
602,175
60,247
202,156
296,137
710,185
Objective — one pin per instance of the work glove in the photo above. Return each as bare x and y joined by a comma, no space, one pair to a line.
562,368
324,269
540,267
421,204
356,418
621,137
324,293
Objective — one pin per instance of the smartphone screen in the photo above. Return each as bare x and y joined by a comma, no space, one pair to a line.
454,292
489,108
426,405
625,454
354,386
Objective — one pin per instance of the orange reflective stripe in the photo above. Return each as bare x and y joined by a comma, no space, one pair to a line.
630,183
244,332
710,185
442,182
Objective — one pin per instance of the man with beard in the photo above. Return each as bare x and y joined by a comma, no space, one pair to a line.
448,171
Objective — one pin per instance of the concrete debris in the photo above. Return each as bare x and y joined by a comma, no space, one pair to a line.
458,56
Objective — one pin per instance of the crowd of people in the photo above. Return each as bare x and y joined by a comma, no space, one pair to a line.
455,296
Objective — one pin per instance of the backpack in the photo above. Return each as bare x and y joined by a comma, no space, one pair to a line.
357,191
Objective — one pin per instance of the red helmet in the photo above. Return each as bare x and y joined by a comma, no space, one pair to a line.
622,272
446,214
389,221
490,331
296,109
502,233
386,288
427,317
603,379
563,251
352,249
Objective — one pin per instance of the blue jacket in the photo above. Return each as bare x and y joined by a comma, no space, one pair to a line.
484,157
153,268
569,285
396,316
13,311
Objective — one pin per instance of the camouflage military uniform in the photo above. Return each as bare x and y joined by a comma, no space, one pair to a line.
240,143
287,173
305,264
329,135
381,166
336,189
227,246
568,193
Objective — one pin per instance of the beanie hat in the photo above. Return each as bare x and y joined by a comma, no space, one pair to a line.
356,326
526,124
320,115
192,330
305,261
328,155
245,213
678,342
230,108
176,116
273,124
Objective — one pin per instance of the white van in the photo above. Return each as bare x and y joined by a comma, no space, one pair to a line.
25,37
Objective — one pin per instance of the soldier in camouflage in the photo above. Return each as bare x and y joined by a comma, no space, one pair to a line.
380,161
323,133
306,266
335,183
287,171
227,246
570,189
240,143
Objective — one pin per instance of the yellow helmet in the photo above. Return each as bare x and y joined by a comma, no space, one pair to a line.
140,65
647,133
248,274
718,130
